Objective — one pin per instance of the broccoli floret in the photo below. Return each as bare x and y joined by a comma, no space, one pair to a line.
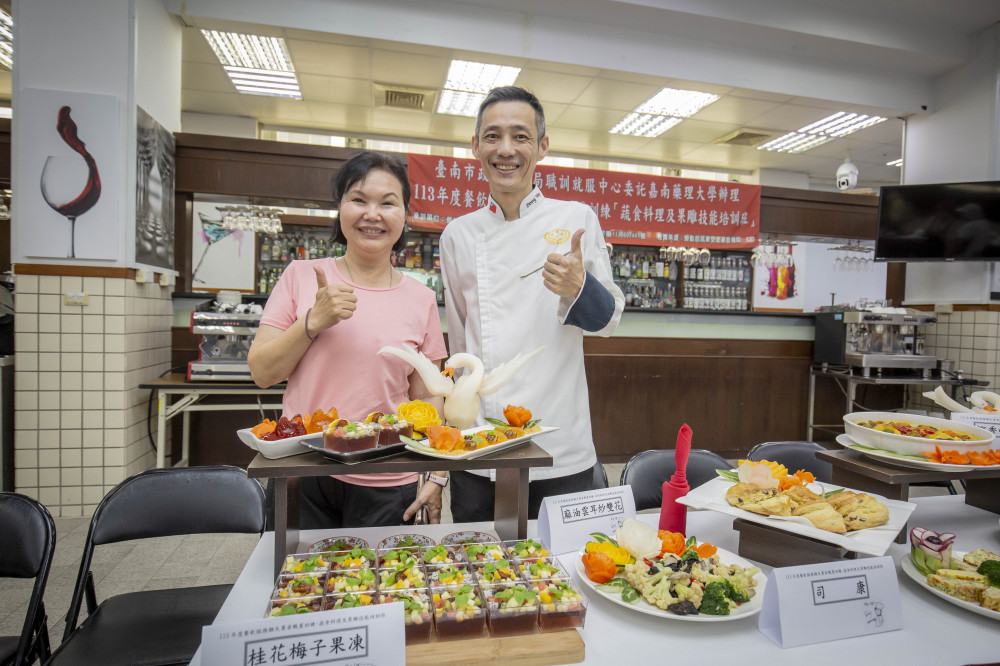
740,596
991,569
714,601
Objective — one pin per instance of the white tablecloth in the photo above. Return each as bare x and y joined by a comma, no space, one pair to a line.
934,631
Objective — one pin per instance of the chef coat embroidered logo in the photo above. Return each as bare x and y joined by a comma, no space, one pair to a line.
557,236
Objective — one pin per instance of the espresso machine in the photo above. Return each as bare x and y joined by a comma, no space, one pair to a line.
226,330
867,339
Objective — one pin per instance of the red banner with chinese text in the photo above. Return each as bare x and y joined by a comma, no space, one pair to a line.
633,209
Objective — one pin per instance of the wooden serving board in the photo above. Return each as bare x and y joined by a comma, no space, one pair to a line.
560,647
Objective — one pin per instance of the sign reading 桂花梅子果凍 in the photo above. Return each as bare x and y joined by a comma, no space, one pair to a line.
633,209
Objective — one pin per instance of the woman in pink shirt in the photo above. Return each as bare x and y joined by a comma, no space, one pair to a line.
323,326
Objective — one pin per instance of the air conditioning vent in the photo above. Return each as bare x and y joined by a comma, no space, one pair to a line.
745,137
398,97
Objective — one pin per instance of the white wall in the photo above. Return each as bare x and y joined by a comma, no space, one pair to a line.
219,125
849,287
960,142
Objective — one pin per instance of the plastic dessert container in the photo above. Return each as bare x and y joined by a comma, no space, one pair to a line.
349,600
292,586
541,568
561,605
351,437
459,612
441,555
417,613
448,575
356,558
306,563
496,572
399,557
401,578
512,609
526,548
351,580
483,552
297,606
391,427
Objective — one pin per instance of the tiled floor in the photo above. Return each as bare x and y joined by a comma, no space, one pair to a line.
152,563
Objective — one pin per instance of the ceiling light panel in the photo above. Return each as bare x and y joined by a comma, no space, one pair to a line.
256,65
895,163
674,102
662,111
6,40
468,82
838,125
644,124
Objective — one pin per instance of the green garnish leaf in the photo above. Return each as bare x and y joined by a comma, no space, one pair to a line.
600,537
531,424
832,493
614,584
498,423
691,542
630,595
729,474
462,600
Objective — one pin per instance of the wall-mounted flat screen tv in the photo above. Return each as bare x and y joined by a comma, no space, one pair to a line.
939,222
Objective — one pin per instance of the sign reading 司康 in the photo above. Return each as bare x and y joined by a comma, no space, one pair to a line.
633,209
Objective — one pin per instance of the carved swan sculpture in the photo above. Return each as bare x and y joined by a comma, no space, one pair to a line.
461,396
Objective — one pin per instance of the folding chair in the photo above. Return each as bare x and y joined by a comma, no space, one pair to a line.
28,536
157,626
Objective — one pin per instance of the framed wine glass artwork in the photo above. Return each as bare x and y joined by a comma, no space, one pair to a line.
72,172
221,258
154,192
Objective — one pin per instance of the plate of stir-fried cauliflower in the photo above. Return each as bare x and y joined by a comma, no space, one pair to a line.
717,588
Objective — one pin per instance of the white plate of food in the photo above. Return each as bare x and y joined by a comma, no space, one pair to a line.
906,563
871,541
926,432
410,540
904,460
338,543
469,536
426,450
278,448
748,609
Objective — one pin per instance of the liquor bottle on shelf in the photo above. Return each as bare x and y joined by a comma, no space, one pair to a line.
265,248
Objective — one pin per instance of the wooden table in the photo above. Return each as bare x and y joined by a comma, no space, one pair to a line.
510,513
190,394
853,469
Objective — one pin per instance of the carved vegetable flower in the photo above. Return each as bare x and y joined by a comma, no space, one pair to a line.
421,414
516,416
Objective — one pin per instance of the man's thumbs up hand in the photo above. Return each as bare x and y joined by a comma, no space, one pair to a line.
563,274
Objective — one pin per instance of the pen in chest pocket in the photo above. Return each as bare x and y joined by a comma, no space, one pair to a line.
533,271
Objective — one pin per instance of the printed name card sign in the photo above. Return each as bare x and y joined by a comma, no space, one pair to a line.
989,422
347,637
829,601
565,522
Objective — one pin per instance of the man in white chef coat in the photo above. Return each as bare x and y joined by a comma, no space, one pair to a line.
524,272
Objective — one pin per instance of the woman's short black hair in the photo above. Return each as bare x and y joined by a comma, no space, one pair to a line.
356,170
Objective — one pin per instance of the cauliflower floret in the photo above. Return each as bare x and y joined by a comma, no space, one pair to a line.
692,593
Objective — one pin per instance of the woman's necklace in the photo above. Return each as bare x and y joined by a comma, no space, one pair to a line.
351,277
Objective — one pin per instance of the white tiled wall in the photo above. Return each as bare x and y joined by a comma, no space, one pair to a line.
971,338
79,416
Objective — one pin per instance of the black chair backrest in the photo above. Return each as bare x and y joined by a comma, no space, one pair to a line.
647,471
168,502
600,476
795,455
28,535
183,500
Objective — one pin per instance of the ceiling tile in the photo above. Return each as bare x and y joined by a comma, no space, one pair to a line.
313,57
410,70
202,76
336,89
620,95
551,86
735,110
